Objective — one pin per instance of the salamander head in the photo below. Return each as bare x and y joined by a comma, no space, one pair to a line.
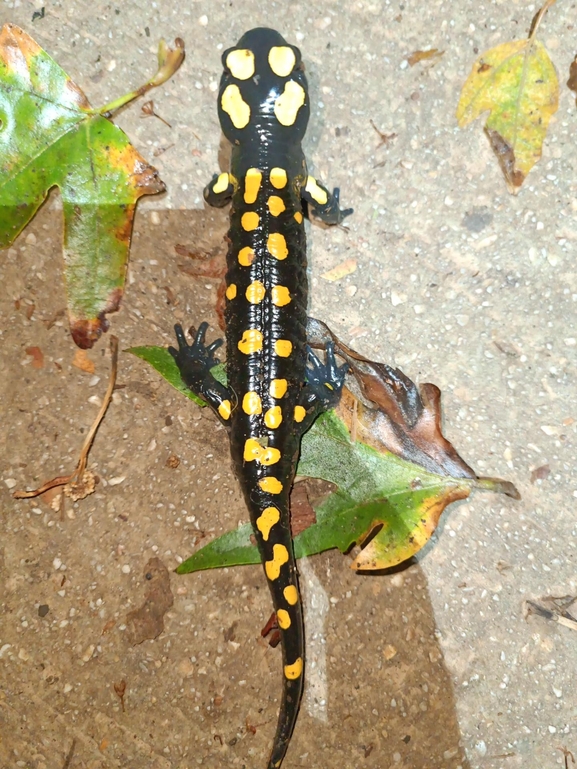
263,91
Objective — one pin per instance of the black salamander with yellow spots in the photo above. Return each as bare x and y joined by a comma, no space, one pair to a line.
273,396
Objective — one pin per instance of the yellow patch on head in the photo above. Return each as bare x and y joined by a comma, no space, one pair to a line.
252,182
300,413
287,105
251,341
273,417
281,60
249,221
278,388
252,450
251,403
241,63
283,618
299,217
295,670
283,347
270,456
271,485
275,205
291,595
231,291
224,409
221,184
278,178
315,191
235,106
280,556
255,292
246,256
276,244
280,296
267,519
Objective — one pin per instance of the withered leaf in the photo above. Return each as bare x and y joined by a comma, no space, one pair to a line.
147,622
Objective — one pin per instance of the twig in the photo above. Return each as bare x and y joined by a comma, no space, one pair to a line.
62,480
539,18
552,616
69,755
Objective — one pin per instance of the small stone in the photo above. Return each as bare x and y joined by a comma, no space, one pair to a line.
43,610
389,652
549,430
481,748
23,655
419,309
31,239
111,65
552,729
154,217
56,563
67,688
10,482
88,653
126,569
397,299
203,21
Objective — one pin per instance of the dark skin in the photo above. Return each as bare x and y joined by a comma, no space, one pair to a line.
276,385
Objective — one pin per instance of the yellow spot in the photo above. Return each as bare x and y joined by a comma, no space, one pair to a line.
291,594
270,456
317,193
295,670
252,450
278,178
280,556
224,409
275,205
252,182
241,63
280,296
283,618
221,184
271,485
287,105
267,520
273,417
249,221
251,403
299,217
283,347
276,244
231,291
300,413
282,60
255,292
235,106
246,256
278,388
251,341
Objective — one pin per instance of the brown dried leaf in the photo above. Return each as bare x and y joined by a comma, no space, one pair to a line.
417,56
147,622
83,362
37,356
572,82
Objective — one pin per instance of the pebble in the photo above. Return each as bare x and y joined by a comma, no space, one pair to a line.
10,482
56,563
481,748
31,239
154,217
126,569
397,299
88,653
203,21
116,480
67,688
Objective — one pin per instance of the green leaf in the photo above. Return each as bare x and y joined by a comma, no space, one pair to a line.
161,360
374,489
50,136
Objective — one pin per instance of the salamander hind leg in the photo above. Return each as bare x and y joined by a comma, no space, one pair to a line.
195,362
322,203
323,387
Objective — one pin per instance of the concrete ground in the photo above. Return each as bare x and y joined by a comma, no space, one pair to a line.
457,283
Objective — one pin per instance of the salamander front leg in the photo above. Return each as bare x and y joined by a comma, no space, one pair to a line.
218,192
323,387
195,362
322,203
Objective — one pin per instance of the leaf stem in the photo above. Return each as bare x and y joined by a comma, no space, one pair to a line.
497,485
169,60
539,17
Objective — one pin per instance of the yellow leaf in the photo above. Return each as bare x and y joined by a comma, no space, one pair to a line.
518,84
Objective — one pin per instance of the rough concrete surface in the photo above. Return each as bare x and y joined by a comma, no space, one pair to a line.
457,282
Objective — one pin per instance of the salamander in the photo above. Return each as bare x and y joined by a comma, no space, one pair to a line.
276,385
